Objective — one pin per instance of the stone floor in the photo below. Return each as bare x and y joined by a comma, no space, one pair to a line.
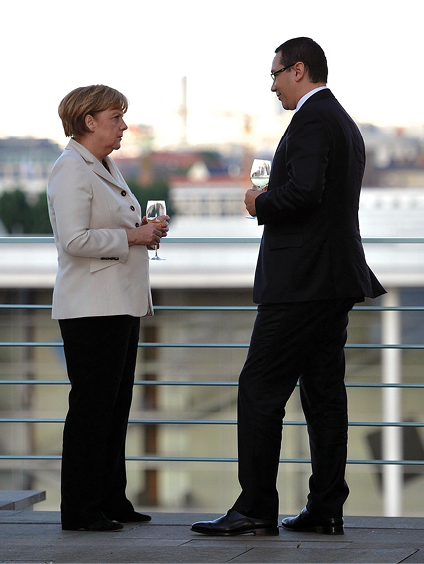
36,537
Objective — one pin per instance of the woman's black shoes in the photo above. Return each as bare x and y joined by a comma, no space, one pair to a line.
102,524
132,517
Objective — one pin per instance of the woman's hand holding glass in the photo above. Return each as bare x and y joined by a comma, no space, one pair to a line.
148,234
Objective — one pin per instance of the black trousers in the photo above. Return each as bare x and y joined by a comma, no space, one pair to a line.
100,356
294,342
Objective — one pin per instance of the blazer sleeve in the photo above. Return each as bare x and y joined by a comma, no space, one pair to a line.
70,195
300,166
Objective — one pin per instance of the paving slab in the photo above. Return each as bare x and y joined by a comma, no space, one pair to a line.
34,537
17,500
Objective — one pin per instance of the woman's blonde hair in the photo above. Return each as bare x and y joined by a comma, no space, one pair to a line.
87,100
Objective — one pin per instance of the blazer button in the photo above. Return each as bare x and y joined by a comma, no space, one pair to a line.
132,208
137,225
123,193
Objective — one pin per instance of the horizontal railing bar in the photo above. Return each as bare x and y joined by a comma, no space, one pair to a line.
223,308
205,383
211,345
25,306
186,240
142,345
382,385
30,240
213,459
404,424
282,460
388,308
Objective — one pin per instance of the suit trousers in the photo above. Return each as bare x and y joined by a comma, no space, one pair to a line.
294,342
100,356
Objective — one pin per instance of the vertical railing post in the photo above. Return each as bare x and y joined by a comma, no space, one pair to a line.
392,448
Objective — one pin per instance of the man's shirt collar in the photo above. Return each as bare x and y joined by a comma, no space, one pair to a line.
308,95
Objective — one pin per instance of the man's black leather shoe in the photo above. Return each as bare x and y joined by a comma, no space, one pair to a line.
305,522
234,523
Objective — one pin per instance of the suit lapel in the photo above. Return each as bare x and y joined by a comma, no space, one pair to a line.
321,95
282,139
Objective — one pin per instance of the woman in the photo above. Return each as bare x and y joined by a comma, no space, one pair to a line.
102,289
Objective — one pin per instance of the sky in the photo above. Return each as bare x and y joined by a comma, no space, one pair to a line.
225,48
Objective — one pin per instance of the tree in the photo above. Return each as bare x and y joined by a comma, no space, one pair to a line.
158,190
15,211
21,216
40,221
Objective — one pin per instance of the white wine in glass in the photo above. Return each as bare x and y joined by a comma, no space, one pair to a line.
259,175
155,209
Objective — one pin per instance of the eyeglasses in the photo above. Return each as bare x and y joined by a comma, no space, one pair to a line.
276,73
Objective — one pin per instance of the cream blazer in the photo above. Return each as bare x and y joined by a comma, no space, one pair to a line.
98,273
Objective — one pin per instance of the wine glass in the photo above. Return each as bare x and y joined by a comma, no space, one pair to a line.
259,175
154,209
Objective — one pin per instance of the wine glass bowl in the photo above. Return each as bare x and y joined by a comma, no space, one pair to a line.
154,210
259,175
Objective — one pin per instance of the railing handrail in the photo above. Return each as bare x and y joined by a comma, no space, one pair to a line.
407,385
147,458
157,421
222,308
186,240
58,344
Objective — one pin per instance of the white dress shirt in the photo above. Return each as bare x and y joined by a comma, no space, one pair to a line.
308,95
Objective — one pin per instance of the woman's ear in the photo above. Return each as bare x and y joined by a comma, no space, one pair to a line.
90,122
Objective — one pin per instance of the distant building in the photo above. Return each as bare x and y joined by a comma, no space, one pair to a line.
26,162
394,158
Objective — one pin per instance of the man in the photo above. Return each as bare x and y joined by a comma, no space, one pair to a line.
311,270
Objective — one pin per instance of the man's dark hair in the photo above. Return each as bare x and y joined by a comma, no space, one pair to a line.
308,52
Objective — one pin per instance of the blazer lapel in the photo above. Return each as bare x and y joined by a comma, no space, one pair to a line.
94,163
101,170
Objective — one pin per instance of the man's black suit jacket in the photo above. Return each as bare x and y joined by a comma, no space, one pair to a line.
311,246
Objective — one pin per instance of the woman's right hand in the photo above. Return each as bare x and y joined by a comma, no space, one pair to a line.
146,234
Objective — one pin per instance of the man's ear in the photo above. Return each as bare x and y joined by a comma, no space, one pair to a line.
299,71
90,122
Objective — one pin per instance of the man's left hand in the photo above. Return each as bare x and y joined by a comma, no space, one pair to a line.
249,200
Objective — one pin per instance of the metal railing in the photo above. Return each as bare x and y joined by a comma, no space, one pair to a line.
218,345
